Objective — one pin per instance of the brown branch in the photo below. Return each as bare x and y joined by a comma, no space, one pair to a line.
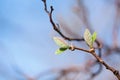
115,72
98,71
45,8
92,52
57,29
98,57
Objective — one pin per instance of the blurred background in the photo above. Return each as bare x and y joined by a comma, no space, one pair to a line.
26,45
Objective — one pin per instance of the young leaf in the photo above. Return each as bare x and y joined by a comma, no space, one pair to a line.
88,38
60,42
60,50
63,48
94,37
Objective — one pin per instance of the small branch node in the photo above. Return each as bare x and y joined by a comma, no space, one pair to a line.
101,61
51,8
72,48
116,72
92,50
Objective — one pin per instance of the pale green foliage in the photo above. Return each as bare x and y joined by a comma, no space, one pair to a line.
89,38
60,50
62,44
94,37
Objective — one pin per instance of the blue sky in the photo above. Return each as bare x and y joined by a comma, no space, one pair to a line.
26,36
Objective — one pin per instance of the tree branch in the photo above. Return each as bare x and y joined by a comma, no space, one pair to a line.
92,52
56,28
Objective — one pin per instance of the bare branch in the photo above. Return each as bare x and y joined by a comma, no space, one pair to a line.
91,51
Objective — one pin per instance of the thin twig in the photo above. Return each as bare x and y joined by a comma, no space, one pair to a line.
92,52
56,28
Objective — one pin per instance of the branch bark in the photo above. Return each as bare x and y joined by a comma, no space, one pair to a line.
91,51
100,60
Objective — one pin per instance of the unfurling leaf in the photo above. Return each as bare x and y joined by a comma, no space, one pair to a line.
94,37
63,48
60,50
60,42
88,38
